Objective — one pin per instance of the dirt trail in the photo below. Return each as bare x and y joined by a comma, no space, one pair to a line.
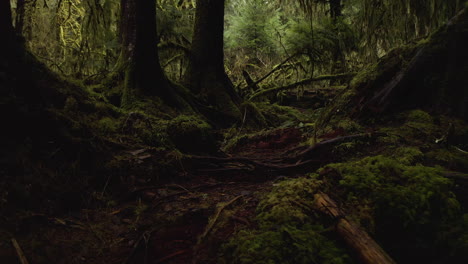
208,209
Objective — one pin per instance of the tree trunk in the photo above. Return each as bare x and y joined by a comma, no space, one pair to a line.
206,76
6,29
338,63
139,57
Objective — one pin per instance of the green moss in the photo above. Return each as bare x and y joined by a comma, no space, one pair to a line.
288,232
407,155
419,116
253,115
107,125
285,244
402,194
191,134
450,158
278,114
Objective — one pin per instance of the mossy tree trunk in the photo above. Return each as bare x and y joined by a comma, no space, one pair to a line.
139,57
206,76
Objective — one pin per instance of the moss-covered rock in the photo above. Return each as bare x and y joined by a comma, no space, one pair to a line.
191,134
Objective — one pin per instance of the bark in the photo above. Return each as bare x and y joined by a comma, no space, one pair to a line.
6,29
367,250
206,76
139,57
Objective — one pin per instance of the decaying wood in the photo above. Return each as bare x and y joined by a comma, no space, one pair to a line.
19,252
303,82
367,250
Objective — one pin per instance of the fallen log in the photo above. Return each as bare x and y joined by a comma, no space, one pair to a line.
303,82
366,249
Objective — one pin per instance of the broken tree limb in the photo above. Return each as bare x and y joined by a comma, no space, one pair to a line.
19,252
277,67
367,250
303,82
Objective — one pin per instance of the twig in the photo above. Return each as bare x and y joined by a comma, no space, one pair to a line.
19,252
215,219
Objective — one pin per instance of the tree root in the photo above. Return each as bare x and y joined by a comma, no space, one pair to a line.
295,159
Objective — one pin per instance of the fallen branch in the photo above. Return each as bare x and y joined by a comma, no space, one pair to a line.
19,252
368,251
277,67
215,219
303,82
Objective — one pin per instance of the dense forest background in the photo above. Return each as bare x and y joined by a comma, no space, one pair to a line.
233,131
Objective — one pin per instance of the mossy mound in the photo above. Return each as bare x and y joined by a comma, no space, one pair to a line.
406,206
288,232
191,134
427,74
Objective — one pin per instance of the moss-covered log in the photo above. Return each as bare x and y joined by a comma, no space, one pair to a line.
302,82
368,251
430,75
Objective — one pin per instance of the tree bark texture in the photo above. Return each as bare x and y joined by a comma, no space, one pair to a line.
206,75
139,56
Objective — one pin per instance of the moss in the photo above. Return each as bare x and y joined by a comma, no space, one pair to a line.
286,244
408,155
277,114
253,114
400,193
191,134
70,104
451,158
287,232
419,116
233,138
107,125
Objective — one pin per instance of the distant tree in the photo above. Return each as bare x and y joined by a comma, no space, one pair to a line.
206,76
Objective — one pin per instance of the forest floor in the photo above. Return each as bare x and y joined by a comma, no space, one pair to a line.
185,221
192,217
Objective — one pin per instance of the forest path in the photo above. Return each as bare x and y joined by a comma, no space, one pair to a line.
209,208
